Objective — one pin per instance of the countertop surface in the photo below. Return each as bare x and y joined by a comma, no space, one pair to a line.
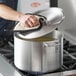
6,69
65,73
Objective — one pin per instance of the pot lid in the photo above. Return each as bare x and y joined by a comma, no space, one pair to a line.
54,16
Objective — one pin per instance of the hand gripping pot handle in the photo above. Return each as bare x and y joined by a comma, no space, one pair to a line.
17,28
42,22
49,21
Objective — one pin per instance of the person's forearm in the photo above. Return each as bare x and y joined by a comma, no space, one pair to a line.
8,13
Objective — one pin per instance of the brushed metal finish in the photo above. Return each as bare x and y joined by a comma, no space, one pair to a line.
22,54
53,52
39,56
36,56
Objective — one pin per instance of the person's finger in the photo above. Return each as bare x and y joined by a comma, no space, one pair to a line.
34,20
30,23
26,24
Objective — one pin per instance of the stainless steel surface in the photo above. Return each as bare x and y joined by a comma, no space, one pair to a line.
54,16
69,62
36,56
54,52
65,73
22,53
43,56
69,24
6,69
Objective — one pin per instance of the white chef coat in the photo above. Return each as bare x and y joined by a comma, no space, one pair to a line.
30,6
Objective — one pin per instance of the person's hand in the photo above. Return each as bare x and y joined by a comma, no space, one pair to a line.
29,20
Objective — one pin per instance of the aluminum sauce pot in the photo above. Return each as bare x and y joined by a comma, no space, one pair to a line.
44,54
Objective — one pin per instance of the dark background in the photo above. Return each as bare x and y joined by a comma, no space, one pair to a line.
53,3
